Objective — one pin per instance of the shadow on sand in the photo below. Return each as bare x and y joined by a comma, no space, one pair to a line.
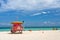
15,33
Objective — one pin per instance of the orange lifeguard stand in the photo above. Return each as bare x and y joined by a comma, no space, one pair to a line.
17,26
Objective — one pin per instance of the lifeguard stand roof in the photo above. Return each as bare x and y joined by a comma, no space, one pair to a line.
16,22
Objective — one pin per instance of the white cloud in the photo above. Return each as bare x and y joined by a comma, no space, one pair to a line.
36,14
45,22
49,22
5,24
29,4
44,12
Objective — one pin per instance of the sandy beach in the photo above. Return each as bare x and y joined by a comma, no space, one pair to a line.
34,35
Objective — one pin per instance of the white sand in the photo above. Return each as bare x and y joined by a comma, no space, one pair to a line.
34,35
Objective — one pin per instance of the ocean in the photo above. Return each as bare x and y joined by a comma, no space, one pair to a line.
30,28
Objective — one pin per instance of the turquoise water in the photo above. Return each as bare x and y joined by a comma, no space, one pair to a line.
38,29
26,29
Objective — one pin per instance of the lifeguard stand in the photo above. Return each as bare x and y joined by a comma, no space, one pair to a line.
17,26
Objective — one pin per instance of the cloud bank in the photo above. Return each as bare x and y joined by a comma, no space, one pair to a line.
28,4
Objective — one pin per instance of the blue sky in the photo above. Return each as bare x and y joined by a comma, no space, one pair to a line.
32,12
